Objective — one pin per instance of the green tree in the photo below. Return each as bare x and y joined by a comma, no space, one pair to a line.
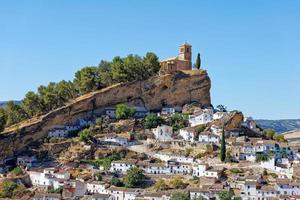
116,182
48,96
87,79
151,64
3,119
56,191
269,133
17,171
65,91
226,195
180,196
105,70
178,121
177,183
152,121
198,61
134,178
106,163
85,135
160,185
32,104
222,108
98,177
223,147
124,112
7,189
198,198
260,157
15,113
279,138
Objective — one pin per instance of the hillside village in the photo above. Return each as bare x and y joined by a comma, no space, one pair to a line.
179,152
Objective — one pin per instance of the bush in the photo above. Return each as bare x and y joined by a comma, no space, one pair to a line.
124,112
56,191
134,178
178,121
262,157
225,195
160,185
152,121
7,189
85,135
116,182
98,177
180,196
17,171
177,183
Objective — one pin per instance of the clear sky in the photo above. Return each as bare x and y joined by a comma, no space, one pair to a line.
251,49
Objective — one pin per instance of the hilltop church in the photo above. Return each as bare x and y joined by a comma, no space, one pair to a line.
181,62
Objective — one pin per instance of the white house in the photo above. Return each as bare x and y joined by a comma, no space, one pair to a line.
207,137
216,130
204,117
163,133
219,115
115,139
26,161
188,134
199,169
140,111
125,193
167,111
179,167
122,166
58,132
48,177
39,196
97,187
287,187
266,145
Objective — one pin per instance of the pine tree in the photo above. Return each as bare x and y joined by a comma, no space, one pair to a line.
223,147
198,61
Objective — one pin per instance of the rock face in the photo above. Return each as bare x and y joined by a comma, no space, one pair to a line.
154,93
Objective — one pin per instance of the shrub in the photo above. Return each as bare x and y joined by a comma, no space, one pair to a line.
85,135
152,121
17,171
180,196
116,182
160,185
7,189
134,177
177,183
124,112
262,157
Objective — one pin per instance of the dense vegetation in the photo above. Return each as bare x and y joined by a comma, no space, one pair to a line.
87,79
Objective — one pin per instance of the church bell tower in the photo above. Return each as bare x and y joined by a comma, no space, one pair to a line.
185,52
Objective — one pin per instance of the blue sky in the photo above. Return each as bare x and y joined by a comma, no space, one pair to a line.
250,48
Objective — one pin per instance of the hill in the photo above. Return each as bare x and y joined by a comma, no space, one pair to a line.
280,126
3,103
168,90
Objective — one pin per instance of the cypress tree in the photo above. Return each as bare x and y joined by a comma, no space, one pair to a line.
198,61
223,147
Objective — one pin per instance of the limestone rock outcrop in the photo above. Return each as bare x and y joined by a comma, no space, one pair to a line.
175,89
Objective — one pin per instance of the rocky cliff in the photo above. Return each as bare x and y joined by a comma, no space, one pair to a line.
168,90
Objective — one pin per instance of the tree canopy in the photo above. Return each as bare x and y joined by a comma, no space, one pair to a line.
152,121
134,177
124,112
87,79
3,119
180,196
